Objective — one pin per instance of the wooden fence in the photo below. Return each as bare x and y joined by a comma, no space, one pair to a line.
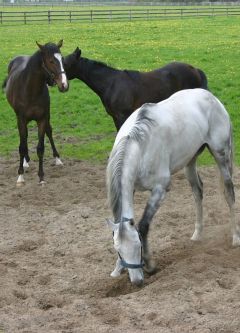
51,16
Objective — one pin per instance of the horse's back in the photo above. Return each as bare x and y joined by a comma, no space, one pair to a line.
15,68
18,64
190,111
183,76
172,131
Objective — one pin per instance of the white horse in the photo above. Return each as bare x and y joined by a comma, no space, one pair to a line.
156,141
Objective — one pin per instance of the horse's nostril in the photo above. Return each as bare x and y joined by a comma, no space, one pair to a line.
138,283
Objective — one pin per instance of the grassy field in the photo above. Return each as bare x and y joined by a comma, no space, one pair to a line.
81,126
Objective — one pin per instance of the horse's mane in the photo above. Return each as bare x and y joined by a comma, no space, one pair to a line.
114,174
132,74
138,133
143,124
94,63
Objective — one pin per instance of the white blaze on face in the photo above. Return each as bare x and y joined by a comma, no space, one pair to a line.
63,75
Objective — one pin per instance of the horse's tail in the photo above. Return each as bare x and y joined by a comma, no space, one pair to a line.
204,81
114,178
4,84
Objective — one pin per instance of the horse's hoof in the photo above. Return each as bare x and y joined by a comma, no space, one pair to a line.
150,267
236,240
20,184
196,237
58,161
42,183
115,274
20,181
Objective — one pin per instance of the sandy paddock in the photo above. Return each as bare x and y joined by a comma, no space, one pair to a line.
56,256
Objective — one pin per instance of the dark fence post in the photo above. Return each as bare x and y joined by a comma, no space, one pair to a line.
130,15
1,17
70,17
49,16
91,15
25,18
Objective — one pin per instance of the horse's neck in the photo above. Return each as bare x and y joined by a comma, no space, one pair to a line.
35,76
96,75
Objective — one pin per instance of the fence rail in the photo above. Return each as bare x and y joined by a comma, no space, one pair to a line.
51,16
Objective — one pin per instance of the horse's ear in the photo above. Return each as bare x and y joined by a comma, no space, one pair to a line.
40,46
60,43
78,53
111,225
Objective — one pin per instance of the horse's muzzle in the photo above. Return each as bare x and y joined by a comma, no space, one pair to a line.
63,87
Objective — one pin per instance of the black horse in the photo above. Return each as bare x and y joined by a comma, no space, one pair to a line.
123,91
27,93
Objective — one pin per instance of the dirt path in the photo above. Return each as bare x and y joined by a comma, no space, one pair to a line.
56,255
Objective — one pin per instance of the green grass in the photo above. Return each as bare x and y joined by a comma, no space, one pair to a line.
81,126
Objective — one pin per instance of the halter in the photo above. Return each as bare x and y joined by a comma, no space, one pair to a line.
123,262
51,74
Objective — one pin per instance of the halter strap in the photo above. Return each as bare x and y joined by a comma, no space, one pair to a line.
131,266
52,75
122,261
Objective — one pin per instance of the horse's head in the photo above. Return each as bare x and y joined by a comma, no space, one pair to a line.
128,245
53,64
71,62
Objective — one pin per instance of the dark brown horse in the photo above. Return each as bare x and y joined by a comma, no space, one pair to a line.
27,93
122,92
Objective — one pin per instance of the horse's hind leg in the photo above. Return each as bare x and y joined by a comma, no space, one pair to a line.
224,161
23,150
157,196
197,188
55,152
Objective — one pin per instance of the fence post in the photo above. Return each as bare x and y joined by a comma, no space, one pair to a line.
1,17
110,15
70,16
130,15
49,16
91,15
25,18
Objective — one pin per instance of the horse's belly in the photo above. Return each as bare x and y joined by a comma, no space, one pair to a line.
183,156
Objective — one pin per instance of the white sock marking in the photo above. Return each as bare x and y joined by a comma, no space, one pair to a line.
25,164
58,161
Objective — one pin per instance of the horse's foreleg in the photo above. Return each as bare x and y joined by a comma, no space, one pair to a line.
157,196
54,150
26,157
118,269
197,188
23,150
40,149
